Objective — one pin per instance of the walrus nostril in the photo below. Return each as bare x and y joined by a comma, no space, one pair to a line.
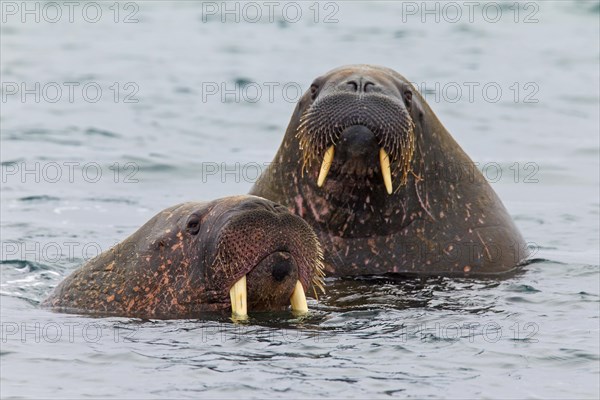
360,85
368,86
281,269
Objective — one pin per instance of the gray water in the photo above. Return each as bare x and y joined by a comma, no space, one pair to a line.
531,335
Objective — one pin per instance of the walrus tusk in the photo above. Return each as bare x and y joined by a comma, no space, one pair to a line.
239,298
327,160
298,299
384,160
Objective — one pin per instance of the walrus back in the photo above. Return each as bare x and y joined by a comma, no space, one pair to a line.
104,282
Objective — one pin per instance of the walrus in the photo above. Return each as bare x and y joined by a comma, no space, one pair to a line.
236,252
369,166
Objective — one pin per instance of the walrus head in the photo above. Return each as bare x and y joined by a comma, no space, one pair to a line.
351,153
257,252
242,252
358,124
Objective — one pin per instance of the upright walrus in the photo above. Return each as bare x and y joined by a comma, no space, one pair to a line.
368,165
239,252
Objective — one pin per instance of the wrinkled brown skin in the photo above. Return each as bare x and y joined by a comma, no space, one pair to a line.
445,220
169,267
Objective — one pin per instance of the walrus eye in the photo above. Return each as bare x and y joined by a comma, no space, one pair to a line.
408,97
313,91
193,225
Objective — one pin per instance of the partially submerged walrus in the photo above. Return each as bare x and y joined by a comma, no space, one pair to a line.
237,252
368,165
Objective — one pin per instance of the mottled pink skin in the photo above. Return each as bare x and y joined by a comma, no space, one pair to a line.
172,266
446,219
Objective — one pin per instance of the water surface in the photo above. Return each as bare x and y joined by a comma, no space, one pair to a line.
534,334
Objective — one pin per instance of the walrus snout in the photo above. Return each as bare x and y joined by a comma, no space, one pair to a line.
358,104
357,142
266,258
283,267
356,152
271,284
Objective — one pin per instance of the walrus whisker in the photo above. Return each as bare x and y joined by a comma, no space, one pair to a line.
321,125
310,261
